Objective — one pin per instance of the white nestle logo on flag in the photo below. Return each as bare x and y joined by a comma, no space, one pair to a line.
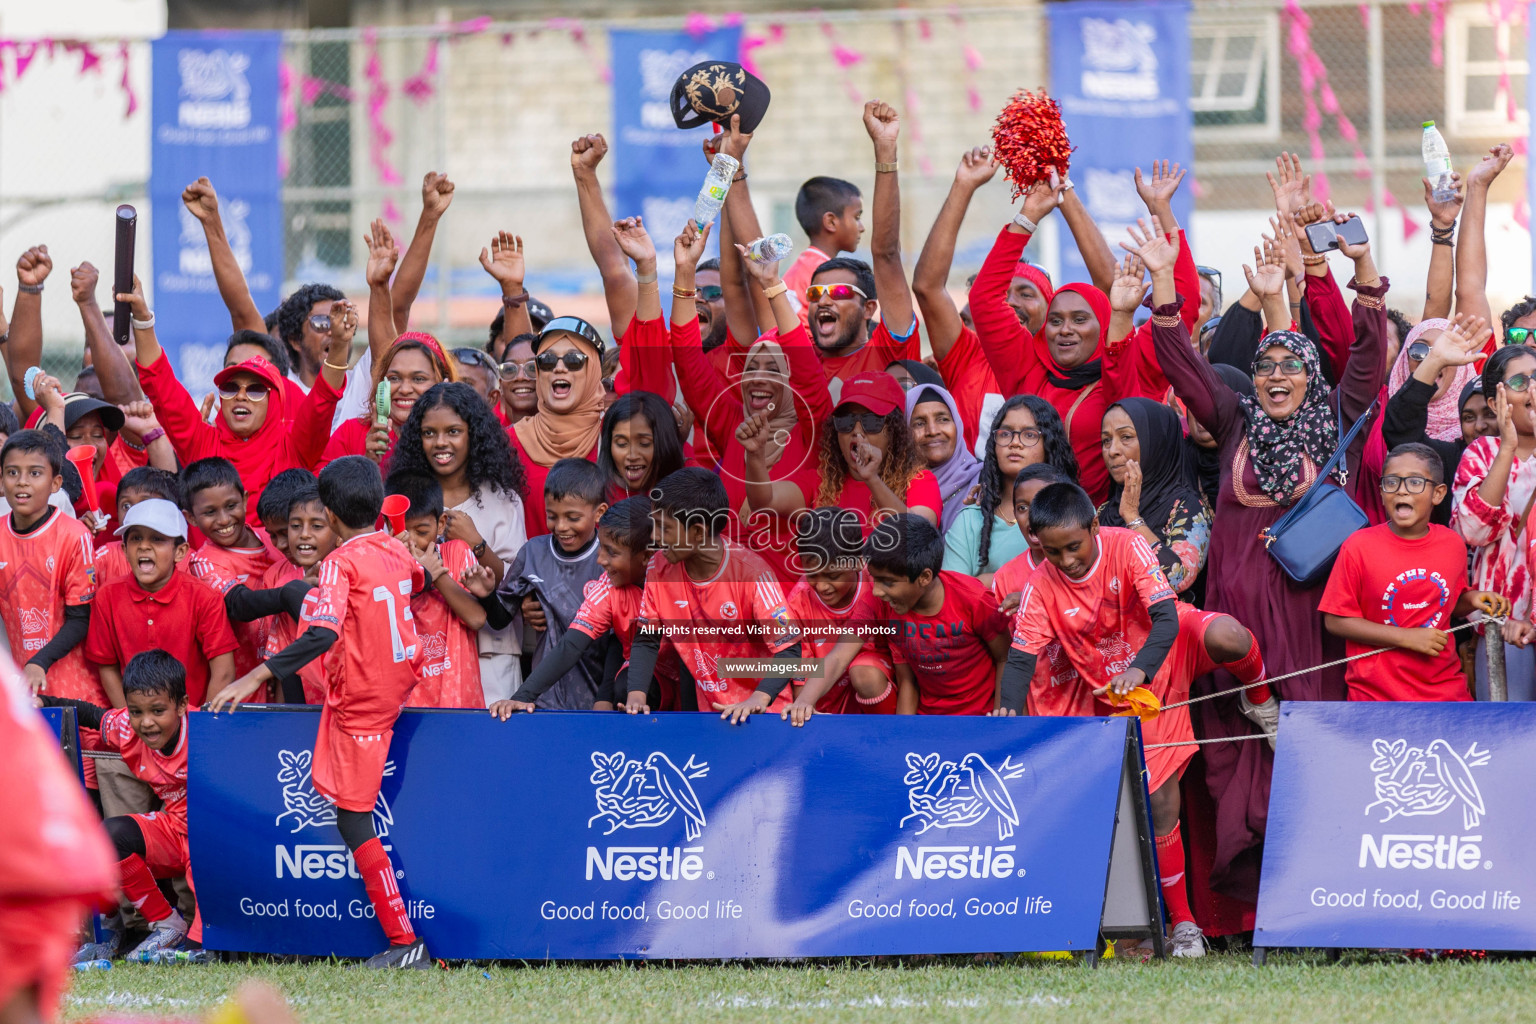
1416,782
214,92
951,794
1119,61
635,794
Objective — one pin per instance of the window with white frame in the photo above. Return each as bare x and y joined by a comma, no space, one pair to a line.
1485,70
1233,76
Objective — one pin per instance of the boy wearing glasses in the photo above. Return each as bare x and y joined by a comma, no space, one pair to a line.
1398,585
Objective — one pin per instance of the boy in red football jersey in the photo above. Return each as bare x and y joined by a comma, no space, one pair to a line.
234,553
448,616
1398,584
310,539
47,573
1008,582
151,734
1103,597
951,640
361,610
700,590
55,861
835,606
609,612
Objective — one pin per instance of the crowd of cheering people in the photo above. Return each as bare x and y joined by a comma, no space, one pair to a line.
774,447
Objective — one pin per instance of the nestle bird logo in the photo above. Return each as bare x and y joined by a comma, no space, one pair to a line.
635,794
949,794
308,809
1415,781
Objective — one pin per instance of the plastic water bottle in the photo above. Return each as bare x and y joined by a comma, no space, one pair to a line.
771,249
1437,164
94,965
716,184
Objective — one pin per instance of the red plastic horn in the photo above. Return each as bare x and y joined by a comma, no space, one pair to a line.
395,506
84,458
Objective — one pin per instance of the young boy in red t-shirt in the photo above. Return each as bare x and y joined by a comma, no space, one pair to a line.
151,735
1103,597
1397,586
951,641
448,616
310,539
362,609
138,484
835,606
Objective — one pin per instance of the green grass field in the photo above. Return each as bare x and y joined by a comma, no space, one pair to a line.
1360,988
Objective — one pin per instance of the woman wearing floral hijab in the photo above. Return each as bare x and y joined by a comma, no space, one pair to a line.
1271,446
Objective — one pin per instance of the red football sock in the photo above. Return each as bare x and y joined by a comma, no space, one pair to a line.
140,888
1250,669
379,879
1170,869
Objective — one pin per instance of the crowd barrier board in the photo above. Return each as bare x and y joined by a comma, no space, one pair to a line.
595,835
1401,825
65,726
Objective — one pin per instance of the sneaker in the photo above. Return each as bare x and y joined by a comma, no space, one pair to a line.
1266,716
413,956
162,935
1187,940
108,948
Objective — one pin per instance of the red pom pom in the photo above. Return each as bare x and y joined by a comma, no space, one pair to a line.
1029,139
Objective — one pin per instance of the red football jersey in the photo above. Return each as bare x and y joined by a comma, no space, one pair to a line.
816,619
1101,621
165,772
42,573
224,568
278,631
948,651
606,608
52,844
880,351
1013,574
364,597
740,613
450,675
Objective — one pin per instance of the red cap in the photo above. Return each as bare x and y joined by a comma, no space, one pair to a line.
257,365
875,390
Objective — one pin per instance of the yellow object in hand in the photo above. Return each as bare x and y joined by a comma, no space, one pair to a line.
1140,701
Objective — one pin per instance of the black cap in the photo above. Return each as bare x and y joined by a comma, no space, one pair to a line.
571,325
78,403
716,89
539,313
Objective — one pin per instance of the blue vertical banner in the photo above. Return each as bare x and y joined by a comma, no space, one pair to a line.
658,167
214,114
1121,74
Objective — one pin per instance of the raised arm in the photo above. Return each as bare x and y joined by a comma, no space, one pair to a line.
119,384
382,257
1008,343
174,408
25,347
763,494
1442,230
503,260
619,288
203,203
635,243
1363,376
436,195
1472,253
1088,238
747,312
883,125
930,278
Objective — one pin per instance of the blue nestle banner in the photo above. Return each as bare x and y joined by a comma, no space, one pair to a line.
1121,74
1401,825
589,835
214,114
657,167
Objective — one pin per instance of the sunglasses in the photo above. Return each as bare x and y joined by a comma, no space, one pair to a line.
474,357
573,360
1290,367
320,323
1517,335
844,422
711,292
1411,484
1212,273
608,385
1418,352
252,392
1519,382
835,292
511,371
1028,437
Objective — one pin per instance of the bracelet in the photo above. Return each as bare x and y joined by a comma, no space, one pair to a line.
514,301
142,325
153,436
773,291
1171,320
646,278
685,293
1138,521
5,337
741,175
1316,259
30,289
883,168
1443,231
1024,222
342,368
130,444
1067,185
1442,240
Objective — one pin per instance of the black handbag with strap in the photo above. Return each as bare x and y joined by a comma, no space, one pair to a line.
1306,540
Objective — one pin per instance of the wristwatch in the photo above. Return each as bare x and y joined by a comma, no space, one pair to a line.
479,549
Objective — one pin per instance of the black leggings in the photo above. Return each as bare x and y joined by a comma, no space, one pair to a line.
126,836
356,827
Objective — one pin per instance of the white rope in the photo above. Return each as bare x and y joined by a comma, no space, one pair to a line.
102,755
1201,743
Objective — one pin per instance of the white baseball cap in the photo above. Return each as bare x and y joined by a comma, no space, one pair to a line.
159,515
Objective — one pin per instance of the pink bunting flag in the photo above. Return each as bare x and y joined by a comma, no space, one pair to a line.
472,27
1410,227
125,82
698,25
24,54
419,87
1523,213
380,136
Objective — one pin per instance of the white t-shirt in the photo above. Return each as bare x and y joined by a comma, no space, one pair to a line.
357,395
499,518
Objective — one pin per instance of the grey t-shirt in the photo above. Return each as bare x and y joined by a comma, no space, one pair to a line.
557,579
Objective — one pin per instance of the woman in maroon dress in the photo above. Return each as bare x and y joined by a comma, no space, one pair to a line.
1271,447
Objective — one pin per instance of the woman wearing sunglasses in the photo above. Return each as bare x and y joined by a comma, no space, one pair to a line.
253,428
412,365
985,536
519,380
1495,489
868,460
569,360
1271,446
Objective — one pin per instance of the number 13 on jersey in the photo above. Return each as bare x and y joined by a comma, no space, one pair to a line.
398,612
